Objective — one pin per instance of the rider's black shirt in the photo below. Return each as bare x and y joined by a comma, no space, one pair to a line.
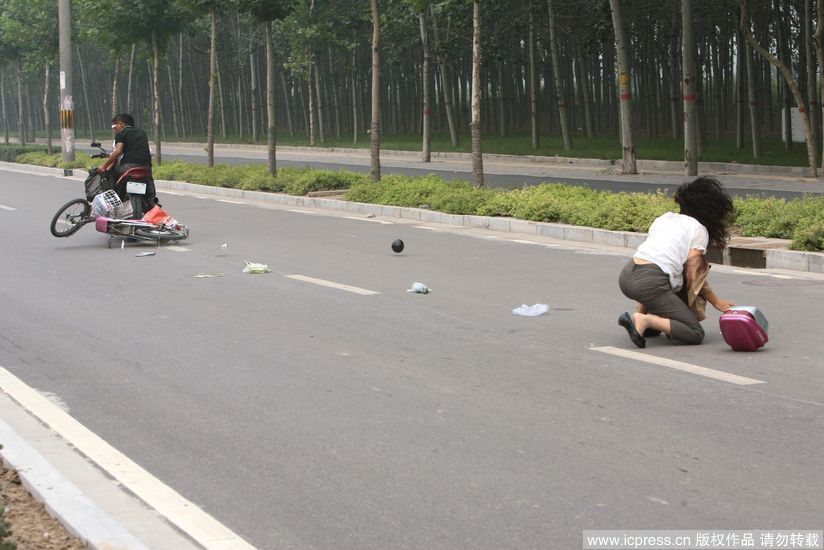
135,146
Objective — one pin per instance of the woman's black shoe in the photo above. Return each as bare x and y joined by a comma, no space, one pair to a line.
626,321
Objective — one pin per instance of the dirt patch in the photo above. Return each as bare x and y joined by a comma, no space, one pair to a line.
32,528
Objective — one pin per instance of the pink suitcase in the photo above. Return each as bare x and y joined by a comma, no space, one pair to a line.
744,328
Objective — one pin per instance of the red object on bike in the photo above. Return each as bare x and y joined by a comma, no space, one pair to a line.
156,216
137,173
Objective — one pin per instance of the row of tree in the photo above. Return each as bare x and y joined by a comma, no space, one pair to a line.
675,69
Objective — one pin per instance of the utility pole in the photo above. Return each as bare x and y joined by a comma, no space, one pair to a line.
66,100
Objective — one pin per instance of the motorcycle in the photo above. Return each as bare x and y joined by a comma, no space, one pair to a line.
136,218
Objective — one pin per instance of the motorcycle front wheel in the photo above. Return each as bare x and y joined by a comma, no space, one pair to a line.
72,216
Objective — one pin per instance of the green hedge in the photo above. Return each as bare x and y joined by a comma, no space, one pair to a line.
9,153
800,220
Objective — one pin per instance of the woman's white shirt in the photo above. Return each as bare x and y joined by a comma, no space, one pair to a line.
671,237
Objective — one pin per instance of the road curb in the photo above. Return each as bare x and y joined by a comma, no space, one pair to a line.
62,499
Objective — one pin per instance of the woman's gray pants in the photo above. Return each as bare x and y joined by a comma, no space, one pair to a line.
650,286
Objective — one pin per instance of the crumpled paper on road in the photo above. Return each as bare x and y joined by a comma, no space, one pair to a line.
531,311
419,288
253,267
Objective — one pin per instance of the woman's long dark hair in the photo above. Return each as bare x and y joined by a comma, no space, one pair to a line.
706,200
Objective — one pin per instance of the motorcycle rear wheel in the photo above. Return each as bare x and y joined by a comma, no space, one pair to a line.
162,234
72,216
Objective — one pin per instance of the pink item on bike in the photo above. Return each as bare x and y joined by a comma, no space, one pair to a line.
101,223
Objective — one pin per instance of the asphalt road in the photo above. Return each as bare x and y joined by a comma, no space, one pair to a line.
308,416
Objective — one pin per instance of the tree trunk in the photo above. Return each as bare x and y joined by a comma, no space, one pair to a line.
3,101
586,98
819,49
786,72
675,94
85,85
374,136
475,125
335,92
156,99
46,117
115,80
718,86
129,84
221,99
319,95
689,91
355,126
253,92
240,113
739,90
271,131
184,127
533,83
210,111
426,86
563,114
624,88
783,89
501,100
810,67
175,114
752,95
310,116
446,83
31,112
287,103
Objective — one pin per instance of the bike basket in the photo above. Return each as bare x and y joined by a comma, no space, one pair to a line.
124,211
106,204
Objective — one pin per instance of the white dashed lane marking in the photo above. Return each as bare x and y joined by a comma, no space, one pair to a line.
679,365
332,284
4,207
230,202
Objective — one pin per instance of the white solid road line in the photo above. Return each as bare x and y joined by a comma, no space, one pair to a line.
331,284
181,512
4,207
230,202
300,211
679,365
372,220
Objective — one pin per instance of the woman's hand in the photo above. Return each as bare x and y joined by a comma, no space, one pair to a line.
722,305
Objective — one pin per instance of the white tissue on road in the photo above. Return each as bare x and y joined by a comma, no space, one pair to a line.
531,311
419,288
252,267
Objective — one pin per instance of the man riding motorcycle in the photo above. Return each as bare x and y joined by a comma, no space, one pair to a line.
131,150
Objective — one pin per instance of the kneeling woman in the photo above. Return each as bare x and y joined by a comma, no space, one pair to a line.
676,245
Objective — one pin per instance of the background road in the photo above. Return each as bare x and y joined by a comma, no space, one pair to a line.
307,416
502,174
